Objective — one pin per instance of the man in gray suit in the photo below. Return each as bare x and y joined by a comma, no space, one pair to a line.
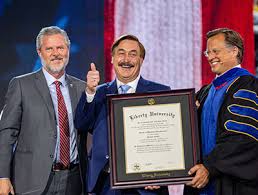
40,150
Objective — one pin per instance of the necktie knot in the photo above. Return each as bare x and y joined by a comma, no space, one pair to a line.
124,88
57,83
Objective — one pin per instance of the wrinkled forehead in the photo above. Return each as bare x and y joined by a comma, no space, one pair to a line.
53,40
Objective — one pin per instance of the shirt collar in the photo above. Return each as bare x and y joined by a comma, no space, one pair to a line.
132,84
50,79
237,66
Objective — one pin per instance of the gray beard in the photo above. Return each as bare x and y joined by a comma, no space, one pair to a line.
54,70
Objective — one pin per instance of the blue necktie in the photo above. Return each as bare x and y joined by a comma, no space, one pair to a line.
124,89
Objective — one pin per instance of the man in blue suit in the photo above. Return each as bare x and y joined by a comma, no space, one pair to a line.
127,57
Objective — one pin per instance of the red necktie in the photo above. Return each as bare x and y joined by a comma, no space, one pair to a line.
63,127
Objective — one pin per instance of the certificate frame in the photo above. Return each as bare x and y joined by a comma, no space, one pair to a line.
120,177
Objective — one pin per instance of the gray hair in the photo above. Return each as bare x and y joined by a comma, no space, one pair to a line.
51,30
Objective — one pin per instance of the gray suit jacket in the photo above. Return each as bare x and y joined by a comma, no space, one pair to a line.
28,120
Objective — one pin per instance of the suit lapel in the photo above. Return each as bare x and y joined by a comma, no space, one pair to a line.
112,88
142,86
43,90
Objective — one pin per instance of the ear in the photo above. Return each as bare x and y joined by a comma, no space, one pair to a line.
235,50
112,60
39,52
141,61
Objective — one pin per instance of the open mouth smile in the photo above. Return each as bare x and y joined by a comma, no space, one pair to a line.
126,65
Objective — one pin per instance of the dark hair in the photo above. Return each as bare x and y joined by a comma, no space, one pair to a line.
129,37
232,38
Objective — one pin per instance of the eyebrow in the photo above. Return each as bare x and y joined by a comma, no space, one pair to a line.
134,50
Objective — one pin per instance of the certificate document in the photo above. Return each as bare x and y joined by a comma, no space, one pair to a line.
153,138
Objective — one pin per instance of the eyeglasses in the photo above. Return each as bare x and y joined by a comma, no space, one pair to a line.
215,52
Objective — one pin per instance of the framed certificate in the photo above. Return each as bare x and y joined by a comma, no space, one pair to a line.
153,138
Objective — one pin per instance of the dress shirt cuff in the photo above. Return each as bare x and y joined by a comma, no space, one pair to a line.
90,97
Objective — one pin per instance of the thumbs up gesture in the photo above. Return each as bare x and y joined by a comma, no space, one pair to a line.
92,79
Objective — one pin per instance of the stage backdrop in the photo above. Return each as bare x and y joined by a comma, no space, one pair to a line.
21,21
173,33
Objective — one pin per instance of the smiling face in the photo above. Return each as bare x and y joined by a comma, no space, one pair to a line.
221,56
54,54
127,61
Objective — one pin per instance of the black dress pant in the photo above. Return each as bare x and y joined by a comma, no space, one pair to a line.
64,182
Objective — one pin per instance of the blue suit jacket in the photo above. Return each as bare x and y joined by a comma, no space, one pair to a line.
92,117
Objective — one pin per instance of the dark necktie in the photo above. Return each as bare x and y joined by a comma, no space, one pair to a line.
63,127
124,88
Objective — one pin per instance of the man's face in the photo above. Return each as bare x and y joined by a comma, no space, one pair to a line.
54,54
127,61
220,56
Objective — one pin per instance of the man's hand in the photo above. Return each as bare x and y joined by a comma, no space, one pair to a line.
197,103
201,177
152,187
92,79
6,186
